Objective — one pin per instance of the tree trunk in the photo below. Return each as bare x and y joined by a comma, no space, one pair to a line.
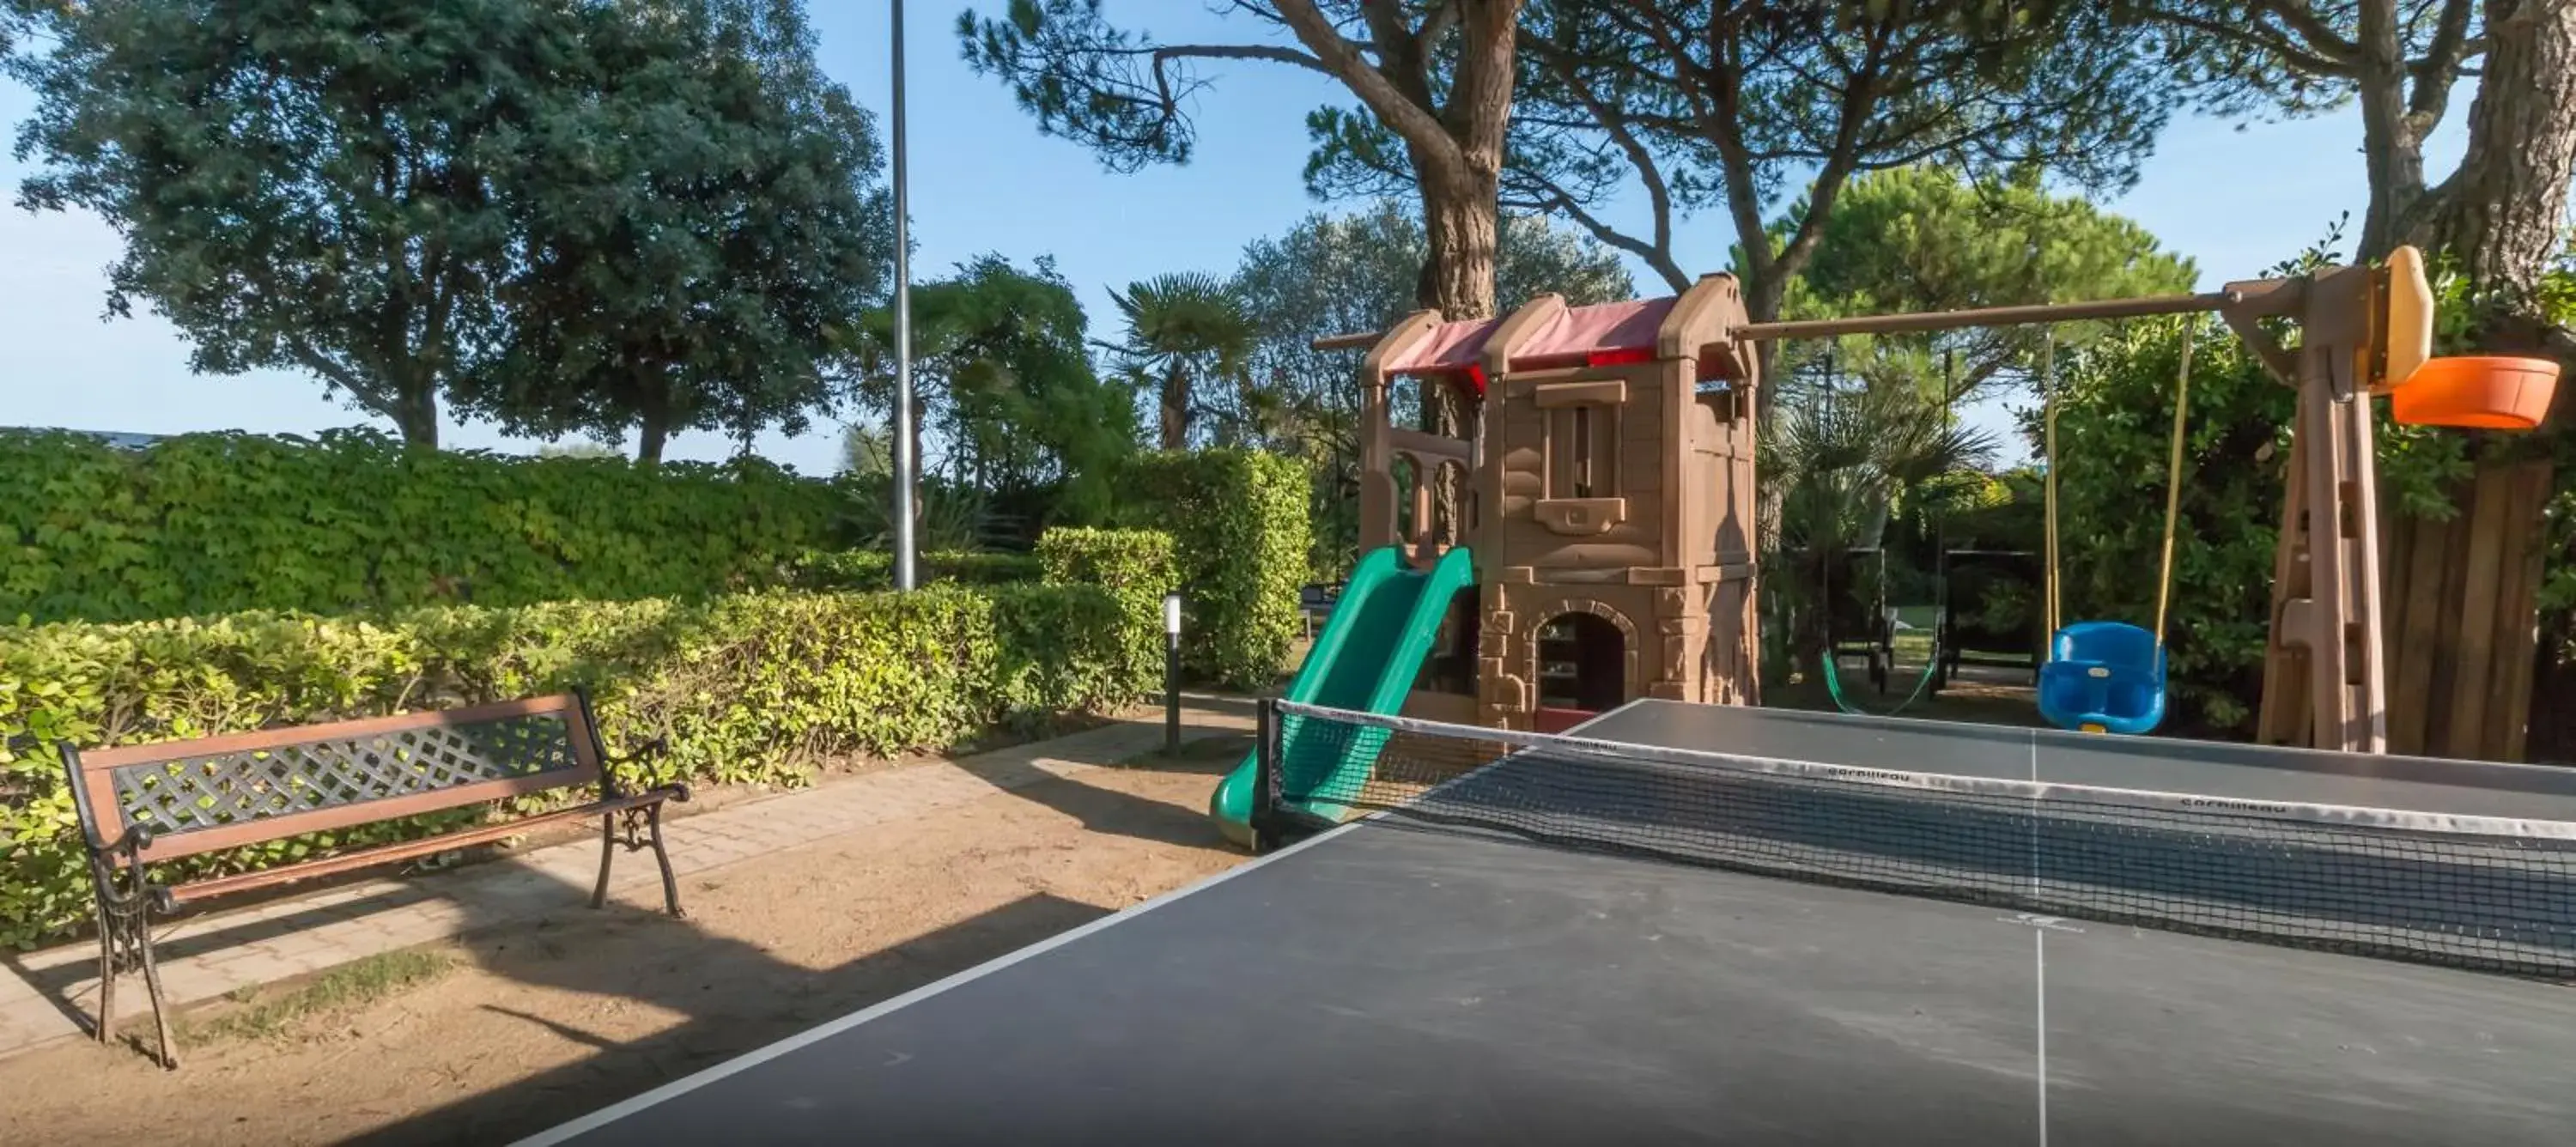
2392,144
1458,219
1176,407
415,413
653,425
2503,211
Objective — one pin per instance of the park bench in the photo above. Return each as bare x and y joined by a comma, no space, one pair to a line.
141,804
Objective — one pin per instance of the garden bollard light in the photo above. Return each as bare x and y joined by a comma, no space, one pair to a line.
1172,673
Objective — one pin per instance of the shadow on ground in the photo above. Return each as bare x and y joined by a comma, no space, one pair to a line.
1979,696
1124,814
673,965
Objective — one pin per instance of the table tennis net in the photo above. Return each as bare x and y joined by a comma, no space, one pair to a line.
2485,893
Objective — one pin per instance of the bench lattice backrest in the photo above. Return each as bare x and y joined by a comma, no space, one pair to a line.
222,792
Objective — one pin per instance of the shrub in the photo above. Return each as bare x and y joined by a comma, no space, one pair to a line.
221,523
1240,534
1135,567
748,688
873,569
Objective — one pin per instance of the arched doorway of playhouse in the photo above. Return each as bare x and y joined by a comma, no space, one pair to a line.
1582,669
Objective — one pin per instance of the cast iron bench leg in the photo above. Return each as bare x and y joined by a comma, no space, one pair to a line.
636,835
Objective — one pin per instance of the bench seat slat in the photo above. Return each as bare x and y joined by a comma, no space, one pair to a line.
404,850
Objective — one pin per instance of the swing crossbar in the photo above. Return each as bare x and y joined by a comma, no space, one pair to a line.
1992,316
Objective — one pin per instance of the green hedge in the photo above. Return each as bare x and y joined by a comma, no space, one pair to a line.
1134,566
874,569
1241,531
747,688
222,523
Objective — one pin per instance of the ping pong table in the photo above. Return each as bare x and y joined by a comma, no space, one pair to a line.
1694,923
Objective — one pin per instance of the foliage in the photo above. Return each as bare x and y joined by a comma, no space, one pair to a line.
702,233
1186,327
1136,567
874,569
1924,239
1004,379
1332,275
747,689
946,515
1837,469
1240,538
1433,82
213,523
578,216
1683,108
302,186
867,451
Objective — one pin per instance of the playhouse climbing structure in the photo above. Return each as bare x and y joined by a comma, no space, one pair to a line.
1602,477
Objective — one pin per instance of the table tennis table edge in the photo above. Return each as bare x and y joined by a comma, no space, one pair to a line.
760,1055
611,1114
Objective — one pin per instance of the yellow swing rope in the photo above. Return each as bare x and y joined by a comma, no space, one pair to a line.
2048,420
2173,480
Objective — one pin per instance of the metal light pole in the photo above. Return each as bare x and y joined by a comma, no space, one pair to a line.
1172,673
903,431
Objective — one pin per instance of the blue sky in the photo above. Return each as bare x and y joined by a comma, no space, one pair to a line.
984,180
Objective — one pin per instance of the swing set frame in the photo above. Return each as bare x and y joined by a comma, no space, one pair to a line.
2361,331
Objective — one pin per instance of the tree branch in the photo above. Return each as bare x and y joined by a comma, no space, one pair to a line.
2320,37
2249,37
1342,59
1657,255
1856,102
368,394
1270,52
2439,68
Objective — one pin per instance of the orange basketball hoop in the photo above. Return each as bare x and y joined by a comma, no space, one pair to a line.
2479,392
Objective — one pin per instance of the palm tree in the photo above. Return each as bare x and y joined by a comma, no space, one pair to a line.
1834,469
1182,326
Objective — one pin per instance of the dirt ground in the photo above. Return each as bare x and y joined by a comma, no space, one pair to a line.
540,1022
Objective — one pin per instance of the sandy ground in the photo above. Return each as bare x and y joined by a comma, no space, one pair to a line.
541,1022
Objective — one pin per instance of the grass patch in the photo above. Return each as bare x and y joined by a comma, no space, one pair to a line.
257,1014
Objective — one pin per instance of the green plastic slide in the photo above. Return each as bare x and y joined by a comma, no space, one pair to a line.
1365,660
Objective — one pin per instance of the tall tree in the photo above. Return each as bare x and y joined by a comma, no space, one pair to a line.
1744,106
701,236
1181,328
1008,391
299,184
1433,79
1925,239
